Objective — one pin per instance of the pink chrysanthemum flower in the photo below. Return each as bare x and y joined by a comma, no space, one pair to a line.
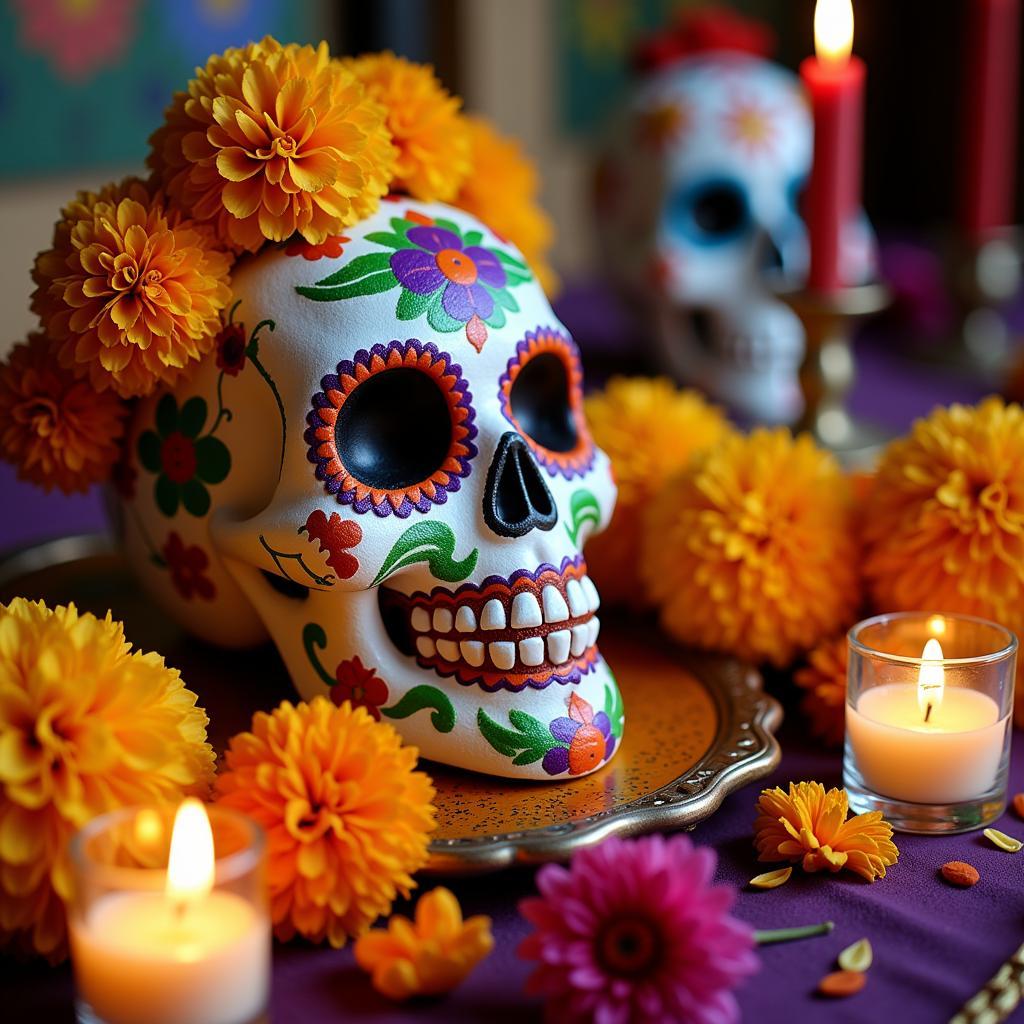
632,931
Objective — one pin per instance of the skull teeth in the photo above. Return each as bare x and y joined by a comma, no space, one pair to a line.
521,628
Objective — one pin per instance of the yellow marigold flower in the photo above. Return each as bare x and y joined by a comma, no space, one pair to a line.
133,291
347,814
944,522
269,140
651,430
432,137
502,191
85,726
823,680
810,826
56,429
428,956
750,550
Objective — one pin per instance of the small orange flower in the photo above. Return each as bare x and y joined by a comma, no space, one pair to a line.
750,550
269,140
432,137
503,191
823,679
132,291
427,957
56,429
809,825
347,814
650,429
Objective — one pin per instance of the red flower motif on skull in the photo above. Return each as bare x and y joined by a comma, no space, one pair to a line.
359,685
332,246
334,535
231,345
187,565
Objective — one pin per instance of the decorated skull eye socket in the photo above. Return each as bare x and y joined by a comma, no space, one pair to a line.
541,394
710,212
392,430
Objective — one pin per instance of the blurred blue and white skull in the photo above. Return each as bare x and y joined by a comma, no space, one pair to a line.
699,220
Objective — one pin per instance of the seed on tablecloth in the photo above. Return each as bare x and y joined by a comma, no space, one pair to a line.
1002,840
771,879
1018,804
960,873
842,983
856,957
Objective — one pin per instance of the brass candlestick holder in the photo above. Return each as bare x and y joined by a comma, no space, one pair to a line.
827,372
985,275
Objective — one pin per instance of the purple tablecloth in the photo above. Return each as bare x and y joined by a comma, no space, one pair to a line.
934,946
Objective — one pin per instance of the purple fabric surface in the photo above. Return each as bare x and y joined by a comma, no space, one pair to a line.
934,946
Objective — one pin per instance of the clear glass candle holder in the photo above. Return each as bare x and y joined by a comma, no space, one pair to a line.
140,956
928,737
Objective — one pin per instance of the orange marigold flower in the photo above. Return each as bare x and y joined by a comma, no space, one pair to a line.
85,726
56,429
133,291
823,680
944,523
809,825
650,429
347,814
432,137
428,956
269,140
502,191
750,550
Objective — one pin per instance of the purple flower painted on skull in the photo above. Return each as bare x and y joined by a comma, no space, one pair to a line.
466,275
443,272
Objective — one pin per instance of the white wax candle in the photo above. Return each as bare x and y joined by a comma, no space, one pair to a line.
138,961
951,758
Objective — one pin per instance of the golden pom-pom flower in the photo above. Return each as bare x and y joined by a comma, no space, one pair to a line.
944,523
428,956
431,135
650,430
810,826
56,429
750,550
502,191
85,726
823,680
270,140
133,291
346,813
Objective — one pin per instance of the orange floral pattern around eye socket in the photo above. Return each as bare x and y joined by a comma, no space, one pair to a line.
327,405
544,340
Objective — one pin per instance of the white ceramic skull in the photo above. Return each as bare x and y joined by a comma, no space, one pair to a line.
698,219
385,467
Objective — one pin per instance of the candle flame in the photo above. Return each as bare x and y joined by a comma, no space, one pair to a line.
931,680
833,30
190,864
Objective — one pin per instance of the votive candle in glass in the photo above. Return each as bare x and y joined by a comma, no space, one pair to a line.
169,922
929,699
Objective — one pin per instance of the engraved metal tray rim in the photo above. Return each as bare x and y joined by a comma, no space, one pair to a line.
744,749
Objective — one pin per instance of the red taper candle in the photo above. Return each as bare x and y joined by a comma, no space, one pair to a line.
988,139
834,80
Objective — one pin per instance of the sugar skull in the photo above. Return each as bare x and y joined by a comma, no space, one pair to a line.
698,216
384,467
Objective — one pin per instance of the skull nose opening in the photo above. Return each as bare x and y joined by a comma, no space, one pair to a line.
771,258
516,499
